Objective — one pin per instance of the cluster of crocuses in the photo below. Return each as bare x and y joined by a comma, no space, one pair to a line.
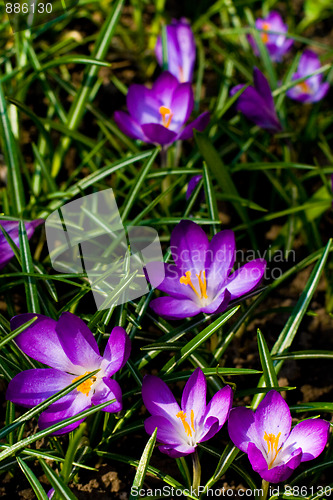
256,102
158,115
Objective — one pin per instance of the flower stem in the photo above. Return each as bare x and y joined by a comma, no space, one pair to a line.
196,471
264,487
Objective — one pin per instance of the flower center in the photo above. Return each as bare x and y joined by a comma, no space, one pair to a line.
85,386
165,112
186,280
264,36
304,87
187,428
272,447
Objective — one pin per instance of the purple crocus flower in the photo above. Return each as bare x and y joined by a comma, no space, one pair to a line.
312,89
199,281
181,428
194,181
276,44
257,104
275,450
70,349
12,228
181,50
158,115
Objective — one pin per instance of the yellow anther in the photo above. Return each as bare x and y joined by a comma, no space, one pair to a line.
186,280
304,87
272,446
264,36
164,112
187,428
85,386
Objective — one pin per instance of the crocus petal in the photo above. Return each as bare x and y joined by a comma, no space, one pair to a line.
78,342
117,350
309,62
217,411
321,92
12,228
242,429
262,87
220,259
31,387
158,399
107,390
199,124
273,417
171,308
64,409
219,304
311,436
246,278
41,342
276,474
193,182
194,396
164,88
171,283
187,51
181,105
166,432
142,104
129,126
177,451
158,134
189,245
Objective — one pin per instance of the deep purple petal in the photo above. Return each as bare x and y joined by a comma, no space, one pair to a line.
164,88
158,399
189,245
241,427
181,105
219,303
246,278
220,259
199,124
78,342
129,126
143,105
177,451
41,342
273,417
117,350
31,387
167,433
311,436
193,182
217,412
321,92
158,134
171,308
262,87
276,474
309,63
62,410
107,390
12,228
194,396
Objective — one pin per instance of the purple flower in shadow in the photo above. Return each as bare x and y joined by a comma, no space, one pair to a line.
181,50
12,228
276,43
312,89
193,182
181,428
158,115
199,281
257,104
70,349
275,450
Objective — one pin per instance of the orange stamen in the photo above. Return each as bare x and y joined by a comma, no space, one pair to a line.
272,445
85,386
186,280
304,87
187,428
164,112
264,36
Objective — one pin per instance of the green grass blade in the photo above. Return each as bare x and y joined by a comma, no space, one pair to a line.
34,483
143,464
266,362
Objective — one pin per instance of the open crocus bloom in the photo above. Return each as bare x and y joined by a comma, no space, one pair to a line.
257,103
199,281
180,48
312,89
265,435
69,347
158,115
12,228
276,43
180,428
